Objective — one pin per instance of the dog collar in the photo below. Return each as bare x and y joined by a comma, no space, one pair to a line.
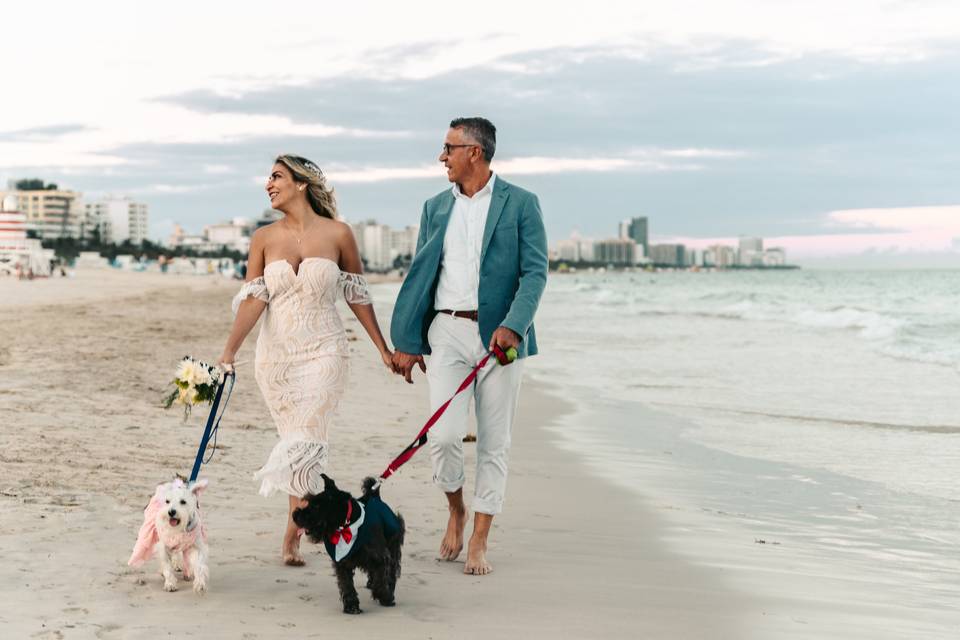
346,536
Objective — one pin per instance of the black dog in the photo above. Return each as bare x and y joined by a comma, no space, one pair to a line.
358,534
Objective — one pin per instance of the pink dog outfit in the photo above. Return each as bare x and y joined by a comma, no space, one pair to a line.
149,535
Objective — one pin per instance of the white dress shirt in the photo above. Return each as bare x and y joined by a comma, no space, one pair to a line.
460,264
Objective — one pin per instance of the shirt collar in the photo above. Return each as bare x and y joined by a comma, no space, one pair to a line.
486,190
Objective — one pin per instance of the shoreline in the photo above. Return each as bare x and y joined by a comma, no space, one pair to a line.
580,558
737,515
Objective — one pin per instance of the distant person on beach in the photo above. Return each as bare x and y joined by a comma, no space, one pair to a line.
475,281
298,267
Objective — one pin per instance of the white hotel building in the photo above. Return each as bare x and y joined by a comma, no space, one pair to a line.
119,220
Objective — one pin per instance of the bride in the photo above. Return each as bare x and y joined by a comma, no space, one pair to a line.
297,268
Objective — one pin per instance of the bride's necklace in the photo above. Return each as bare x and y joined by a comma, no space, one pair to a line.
296,237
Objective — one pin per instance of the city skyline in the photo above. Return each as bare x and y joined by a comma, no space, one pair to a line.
828,130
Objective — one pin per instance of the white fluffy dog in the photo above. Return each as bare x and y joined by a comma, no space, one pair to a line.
173,528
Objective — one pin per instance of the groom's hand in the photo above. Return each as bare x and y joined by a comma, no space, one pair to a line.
504,338
403,363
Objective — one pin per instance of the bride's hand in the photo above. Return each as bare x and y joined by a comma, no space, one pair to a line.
226,361
387,357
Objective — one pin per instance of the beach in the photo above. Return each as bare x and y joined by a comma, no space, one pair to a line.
83,364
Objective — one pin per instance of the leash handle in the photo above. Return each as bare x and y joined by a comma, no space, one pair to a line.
211,429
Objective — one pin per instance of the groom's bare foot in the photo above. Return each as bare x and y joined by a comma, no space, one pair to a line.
477,564
452,543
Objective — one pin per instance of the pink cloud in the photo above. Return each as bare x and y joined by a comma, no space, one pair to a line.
895,230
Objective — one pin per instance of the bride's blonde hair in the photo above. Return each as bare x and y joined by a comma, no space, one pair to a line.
307,172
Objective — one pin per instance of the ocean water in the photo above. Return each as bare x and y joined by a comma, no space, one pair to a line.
802,424
815,410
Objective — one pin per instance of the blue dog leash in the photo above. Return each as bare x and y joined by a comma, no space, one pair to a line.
213,423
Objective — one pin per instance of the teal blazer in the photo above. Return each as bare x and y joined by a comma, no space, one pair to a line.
513,270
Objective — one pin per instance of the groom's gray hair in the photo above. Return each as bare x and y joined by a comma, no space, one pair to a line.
481,130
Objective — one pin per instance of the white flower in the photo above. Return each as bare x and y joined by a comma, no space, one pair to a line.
187,371
203,376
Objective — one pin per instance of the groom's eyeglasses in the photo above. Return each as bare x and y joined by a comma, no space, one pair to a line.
448,147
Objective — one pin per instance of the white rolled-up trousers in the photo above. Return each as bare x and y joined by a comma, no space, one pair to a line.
456,348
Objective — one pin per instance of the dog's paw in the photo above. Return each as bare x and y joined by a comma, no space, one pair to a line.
353,608
388,602
170,585
200,586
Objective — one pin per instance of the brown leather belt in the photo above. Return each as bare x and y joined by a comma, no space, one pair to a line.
469,315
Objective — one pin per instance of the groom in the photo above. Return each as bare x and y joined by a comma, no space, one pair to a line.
476,281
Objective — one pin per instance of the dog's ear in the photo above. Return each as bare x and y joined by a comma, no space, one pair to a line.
197,487
328,484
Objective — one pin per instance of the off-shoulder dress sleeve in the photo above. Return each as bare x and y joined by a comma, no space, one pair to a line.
355,289
256,288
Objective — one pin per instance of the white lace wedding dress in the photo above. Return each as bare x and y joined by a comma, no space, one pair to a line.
301,365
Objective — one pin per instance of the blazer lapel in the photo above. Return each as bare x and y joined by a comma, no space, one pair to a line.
497,201
442,218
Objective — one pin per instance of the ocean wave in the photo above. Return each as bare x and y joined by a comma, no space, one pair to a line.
834,421
900,318
872,325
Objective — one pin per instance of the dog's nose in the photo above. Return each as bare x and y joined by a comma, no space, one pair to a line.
172,512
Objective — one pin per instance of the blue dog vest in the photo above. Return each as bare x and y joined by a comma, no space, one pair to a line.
375,512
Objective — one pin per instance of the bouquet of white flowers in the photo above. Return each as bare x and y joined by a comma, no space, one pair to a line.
195,382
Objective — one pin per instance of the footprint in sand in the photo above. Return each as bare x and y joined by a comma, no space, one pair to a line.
49,635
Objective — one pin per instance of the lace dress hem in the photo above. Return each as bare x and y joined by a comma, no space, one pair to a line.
294,467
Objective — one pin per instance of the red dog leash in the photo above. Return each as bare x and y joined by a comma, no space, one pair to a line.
503,357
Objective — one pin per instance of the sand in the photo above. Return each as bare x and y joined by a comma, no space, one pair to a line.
83,364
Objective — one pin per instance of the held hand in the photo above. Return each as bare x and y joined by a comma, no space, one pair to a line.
403,364
387,356
505,339
226,361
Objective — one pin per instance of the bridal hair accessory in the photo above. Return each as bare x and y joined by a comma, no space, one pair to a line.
314,168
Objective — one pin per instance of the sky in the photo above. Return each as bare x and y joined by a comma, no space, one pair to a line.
828,128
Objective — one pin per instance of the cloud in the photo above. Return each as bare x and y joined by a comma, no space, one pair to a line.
648,160
899,230
762,142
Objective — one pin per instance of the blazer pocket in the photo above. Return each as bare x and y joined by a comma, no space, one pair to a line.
506,228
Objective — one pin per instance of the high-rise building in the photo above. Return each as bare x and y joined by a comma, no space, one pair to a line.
119,220
615,251
668,255
774,257
50,212
403,242
373,240
750,251
720,256
638,231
